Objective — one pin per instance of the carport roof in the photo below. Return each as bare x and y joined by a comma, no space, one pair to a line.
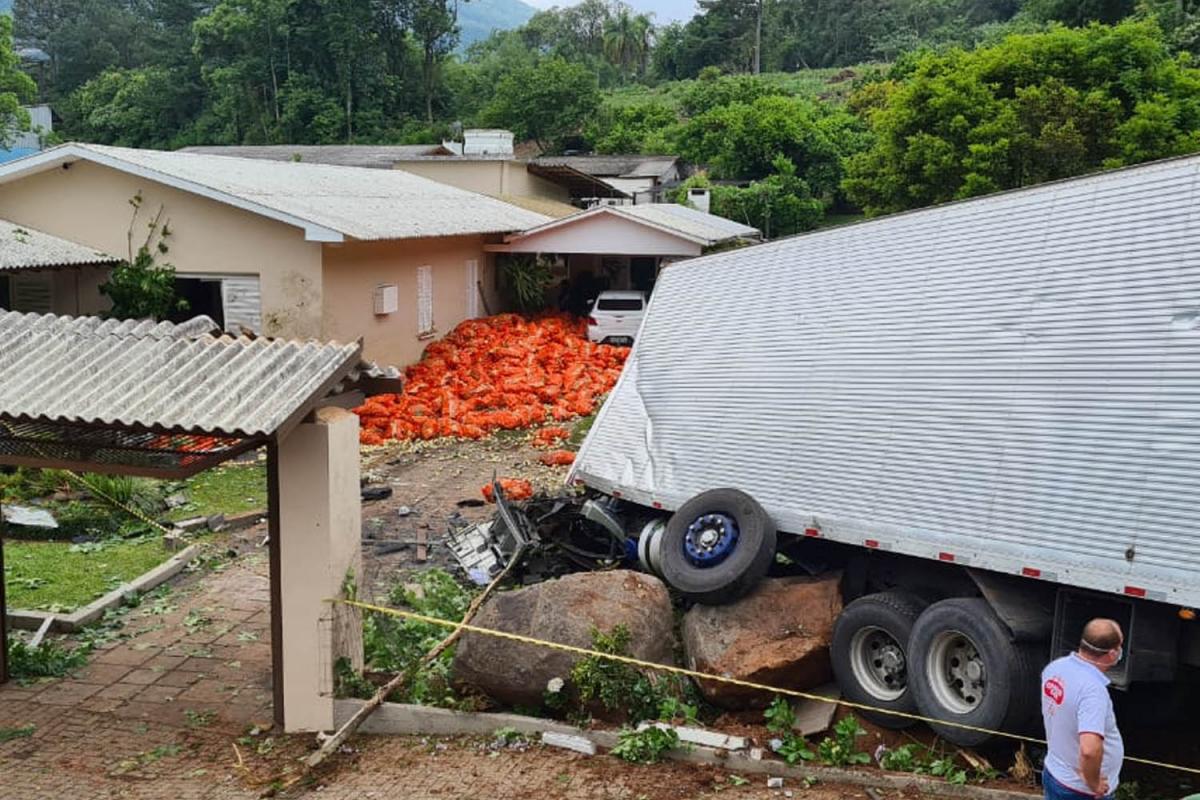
153,398
26,248
329,203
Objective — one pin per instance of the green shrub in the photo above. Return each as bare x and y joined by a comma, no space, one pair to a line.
48,660
615,685
841,749
392,644
645,747
525,280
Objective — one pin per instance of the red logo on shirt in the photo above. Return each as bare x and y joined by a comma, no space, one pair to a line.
1054,690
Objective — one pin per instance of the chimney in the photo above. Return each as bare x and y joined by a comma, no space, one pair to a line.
700,198
482,142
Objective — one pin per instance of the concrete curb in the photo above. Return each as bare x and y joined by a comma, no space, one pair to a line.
408,720
82,617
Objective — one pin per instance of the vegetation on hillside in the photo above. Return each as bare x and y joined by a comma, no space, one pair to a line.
876,106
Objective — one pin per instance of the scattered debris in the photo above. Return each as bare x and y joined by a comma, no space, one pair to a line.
774,783
548,437
700,736
405,511
756,754
372,493
559,534
580,744
28,516
176,500
815,716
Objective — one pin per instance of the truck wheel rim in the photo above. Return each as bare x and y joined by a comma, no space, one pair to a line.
956,673
710,539
878,663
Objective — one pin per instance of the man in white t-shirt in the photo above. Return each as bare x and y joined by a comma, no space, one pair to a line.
1086,750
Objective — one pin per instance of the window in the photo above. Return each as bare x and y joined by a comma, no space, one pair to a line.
425,300
473,289
619,304
234,302
32,292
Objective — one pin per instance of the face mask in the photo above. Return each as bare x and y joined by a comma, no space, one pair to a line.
1120,654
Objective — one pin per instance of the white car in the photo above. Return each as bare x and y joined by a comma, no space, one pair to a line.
616,316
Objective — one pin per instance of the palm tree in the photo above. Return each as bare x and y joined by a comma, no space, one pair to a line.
627,40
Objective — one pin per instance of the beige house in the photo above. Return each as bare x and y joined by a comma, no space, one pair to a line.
285,249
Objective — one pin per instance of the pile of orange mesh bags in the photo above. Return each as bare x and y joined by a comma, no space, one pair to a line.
498,373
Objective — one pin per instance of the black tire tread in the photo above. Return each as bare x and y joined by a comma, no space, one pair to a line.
907,606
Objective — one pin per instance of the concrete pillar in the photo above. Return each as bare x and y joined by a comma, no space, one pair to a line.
319,531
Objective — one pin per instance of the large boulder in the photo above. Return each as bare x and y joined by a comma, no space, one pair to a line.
566,611
778,636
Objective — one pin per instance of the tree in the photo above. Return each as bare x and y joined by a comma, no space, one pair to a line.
1034,107
435,24
546,103
746,140
144,107
627,41
15,86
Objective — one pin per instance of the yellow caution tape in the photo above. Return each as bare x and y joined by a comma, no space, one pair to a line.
691,673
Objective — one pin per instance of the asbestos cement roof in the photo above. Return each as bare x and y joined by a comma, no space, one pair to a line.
691,222
25,248
616,166
160,376
340,155
330,203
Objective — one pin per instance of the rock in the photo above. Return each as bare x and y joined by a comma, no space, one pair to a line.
777,636
564,611
774,783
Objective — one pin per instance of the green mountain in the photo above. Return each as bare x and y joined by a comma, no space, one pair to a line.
478,18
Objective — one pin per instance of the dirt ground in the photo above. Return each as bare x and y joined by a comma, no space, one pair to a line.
430,482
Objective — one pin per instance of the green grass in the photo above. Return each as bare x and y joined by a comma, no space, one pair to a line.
57,575
229,489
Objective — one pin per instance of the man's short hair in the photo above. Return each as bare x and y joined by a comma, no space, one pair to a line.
1100,636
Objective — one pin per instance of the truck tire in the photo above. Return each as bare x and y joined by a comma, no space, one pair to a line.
964,668
717,546
869,654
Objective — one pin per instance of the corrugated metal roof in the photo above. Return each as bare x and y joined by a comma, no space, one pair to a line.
329,202
691,221
339,155
26,248
86,370
1011,380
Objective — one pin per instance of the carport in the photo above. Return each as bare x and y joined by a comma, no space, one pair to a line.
168,401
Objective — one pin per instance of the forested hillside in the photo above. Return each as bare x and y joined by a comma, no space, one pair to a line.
839,108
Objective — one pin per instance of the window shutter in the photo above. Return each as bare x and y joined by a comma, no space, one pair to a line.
472,289
242,302
424,300
32,293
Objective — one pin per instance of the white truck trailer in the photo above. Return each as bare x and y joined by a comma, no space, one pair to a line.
987,414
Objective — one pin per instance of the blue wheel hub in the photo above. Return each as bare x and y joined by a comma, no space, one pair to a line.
710,539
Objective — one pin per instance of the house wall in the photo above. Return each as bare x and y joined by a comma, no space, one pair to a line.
353,270
488,177
77,291
605,233
89,204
